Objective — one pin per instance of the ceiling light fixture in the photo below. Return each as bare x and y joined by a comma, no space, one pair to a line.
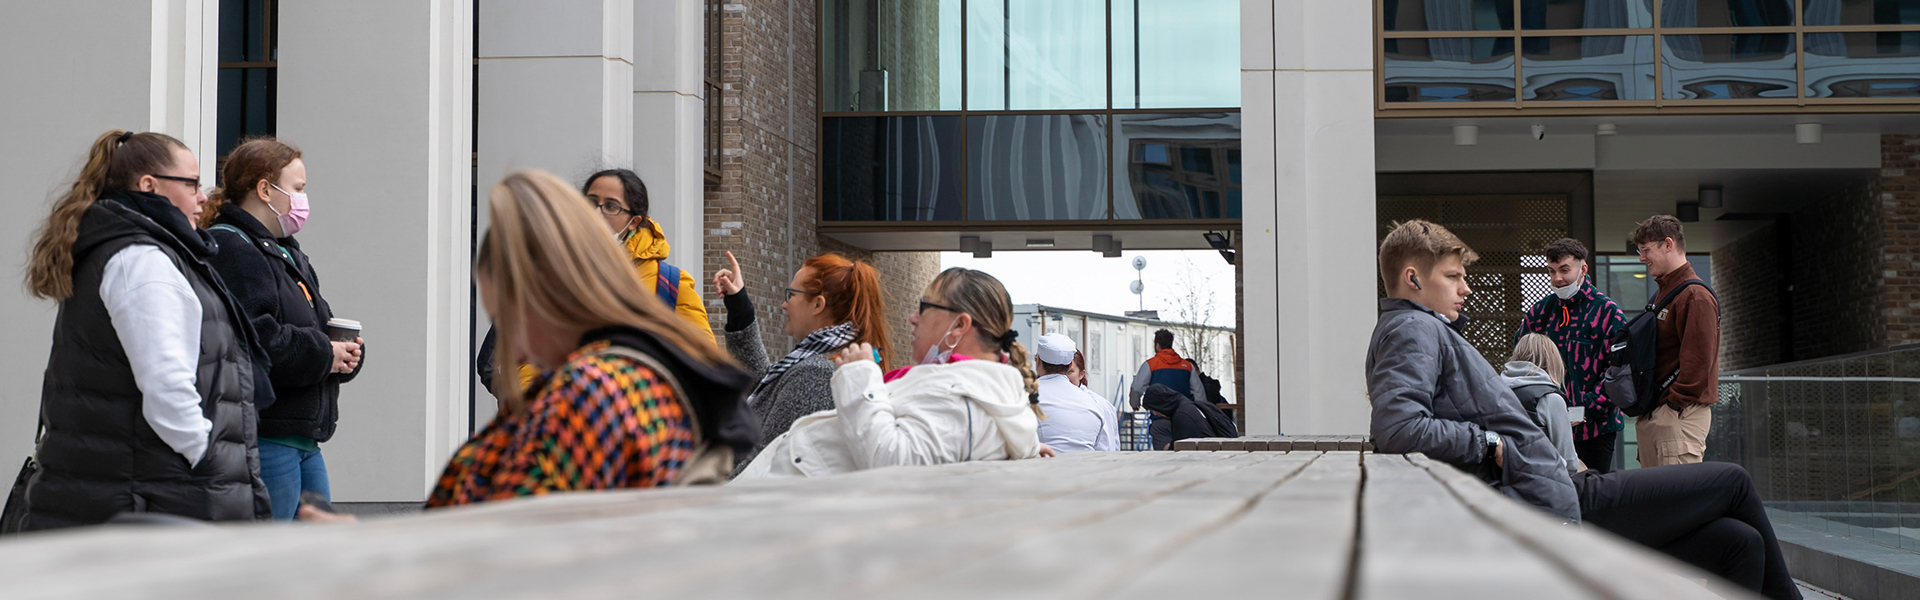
1687,211
1806,133
1710,196
1466,135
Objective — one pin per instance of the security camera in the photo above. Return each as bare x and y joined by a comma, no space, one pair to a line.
1539,132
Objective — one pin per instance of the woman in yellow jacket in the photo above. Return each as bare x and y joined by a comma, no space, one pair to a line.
621,198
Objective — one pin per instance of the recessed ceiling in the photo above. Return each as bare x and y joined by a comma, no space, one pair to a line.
1623,198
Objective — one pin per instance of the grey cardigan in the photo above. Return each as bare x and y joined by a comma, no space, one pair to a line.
805,388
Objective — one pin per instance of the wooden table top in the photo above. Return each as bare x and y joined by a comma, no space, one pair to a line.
1148,525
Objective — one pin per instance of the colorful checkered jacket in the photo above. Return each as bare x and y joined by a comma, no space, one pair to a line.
600,422
1580,327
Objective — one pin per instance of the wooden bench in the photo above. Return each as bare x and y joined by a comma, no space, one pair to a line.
1278,443
1135,525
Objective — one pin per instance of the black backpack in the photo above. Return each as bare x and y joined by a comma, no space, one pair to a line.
1630,382
1530,395
1216,420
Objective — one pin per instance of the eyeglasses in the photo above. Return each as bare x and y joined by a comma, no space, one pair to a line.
791,292
924,305
611,209
192,181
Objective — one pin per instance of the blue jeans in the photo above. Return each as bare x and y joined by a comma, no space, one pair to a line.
289,471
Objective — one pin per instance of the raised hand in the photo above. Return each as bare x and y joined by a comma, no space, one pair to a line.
729,281
853,353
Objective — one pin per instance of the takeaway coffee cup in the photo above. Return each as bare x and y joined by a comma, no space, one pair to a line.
343,330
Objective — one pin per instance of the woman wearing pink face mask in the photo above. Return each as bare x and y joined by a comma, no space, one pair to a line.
261,204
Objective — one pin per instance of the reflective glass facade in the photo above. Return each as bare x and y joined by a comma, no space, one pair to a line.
1015,110
1448,53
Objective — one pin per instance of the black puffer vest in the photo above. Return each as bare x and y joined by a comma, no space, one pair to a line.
98,456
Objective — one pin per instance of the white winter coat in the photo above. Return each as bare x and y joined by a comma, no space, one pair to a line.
935,414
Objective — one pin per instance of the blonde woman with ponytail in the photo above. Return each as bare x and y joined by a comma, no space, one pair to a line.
148,400
967,399
628,395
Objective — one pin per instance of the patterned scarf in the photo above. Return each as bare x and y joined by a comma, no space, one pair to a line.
815,343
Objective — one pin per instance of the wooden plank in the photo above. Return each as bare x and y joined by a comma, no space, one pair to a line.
1587,554
1326,445
1295,542
1233,445
1209,444
1186,445
1417,538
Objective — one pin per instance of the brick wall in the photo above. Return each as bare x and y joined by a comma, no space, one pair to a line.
766,206
1899,196
1835,248
1752,291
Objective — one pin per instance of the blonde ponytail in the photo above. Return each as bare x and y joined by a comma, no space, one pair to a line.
116,161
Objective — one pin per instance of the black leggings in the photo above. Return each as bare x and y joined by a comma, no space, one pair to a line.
1597,451
1706,514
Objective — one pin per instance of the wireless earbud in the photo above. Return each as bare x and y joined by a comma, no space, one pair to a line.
1415,279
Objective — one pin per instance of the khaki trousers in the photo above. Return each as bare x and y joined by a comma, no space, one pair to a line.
1670,437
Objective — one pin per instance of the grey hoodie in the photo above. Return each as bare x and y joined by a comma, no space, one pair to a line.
1552,407
1433,393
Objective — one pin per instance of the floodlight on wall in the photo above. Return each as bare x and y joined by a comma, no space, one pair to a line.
1466,135
1711,196
1113,249
1217,240
1686,211
969,243
1101,242
1806,133
1605,129
983,249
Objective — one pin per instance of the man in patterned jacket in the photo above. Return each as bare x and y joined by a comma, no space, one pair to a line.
1580,319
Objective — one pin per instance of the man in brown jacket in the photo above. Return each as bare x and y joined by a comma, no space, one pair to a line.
1688,342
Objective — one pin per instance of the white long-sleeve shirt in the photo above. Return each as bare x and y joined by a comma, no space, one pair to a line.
1076,420
157,316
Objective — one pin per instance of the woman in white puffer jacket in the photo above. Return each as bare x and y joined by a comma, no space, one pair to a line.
968,399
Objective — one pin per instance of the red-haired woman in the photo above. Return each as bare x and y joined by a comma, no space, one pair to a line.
831,303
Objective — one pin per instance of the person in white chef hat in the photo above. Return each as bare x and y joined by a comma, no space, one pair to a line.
1076,419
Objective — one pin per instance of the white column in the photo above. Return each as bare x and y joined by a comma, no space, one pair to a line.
378,95
73,70
1307,91
669,92
555,87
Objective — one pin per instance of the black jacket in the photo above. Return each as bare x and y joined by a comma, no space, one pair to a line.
99,457
280,295
1175,417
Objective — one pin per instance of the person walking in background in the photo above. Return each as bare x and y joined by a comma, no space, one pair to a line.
1686,351
621,199
148,400
831,302
1535,373
628,395
261,204
1175,417
1075,420
1579,321
966,400
1166,368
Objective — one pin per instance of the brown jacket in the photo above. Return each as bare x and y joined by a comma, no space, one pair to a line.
1688,338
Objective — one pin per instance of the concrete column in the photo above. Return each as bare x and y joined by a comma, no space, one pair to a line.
555,78
1309,220
378,95
669,95
143,65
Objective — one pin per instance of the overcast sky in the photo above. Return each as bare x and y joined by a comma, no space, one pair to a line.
1083,280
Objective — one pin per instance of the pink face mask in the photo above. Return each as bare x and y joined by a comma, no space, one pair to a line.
296,215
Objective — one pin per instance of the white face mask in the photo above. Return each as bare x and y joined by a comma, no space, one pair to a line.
1566,293
935,355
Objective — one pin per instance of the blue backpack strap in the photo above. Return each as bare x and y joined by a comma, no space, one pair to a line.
667,285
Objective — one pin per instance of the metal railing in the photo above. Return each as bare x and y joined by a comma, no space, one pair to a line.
1833,444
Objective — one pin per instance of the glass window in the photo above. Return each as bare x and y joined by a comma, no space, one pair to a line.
247,79
1037,55
880,55
891,168
1611,67
1176,166
1861,12
1449,70
1174,53
1586,14
1447,15
1726,13
1718,67
1863,65
1036,167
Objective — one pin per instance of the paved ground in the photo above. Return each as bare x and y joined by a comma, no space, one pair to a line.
1813,593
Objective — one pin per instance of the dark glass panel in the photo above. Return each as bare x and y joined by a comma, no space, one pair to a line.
1863,65
890,169
233,30
1177,166
1449,70
1862,12
1586,14
1718,67
1447,15
230,121
880,55
1726,13
1036,167
1611,67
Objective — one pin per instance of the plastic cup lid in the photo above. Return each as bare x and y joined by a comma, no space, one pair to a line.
343,323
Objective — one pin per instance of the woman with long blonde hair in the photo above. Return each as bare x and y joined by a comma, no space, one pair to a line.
1536,374
967,399
628,394
148,399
